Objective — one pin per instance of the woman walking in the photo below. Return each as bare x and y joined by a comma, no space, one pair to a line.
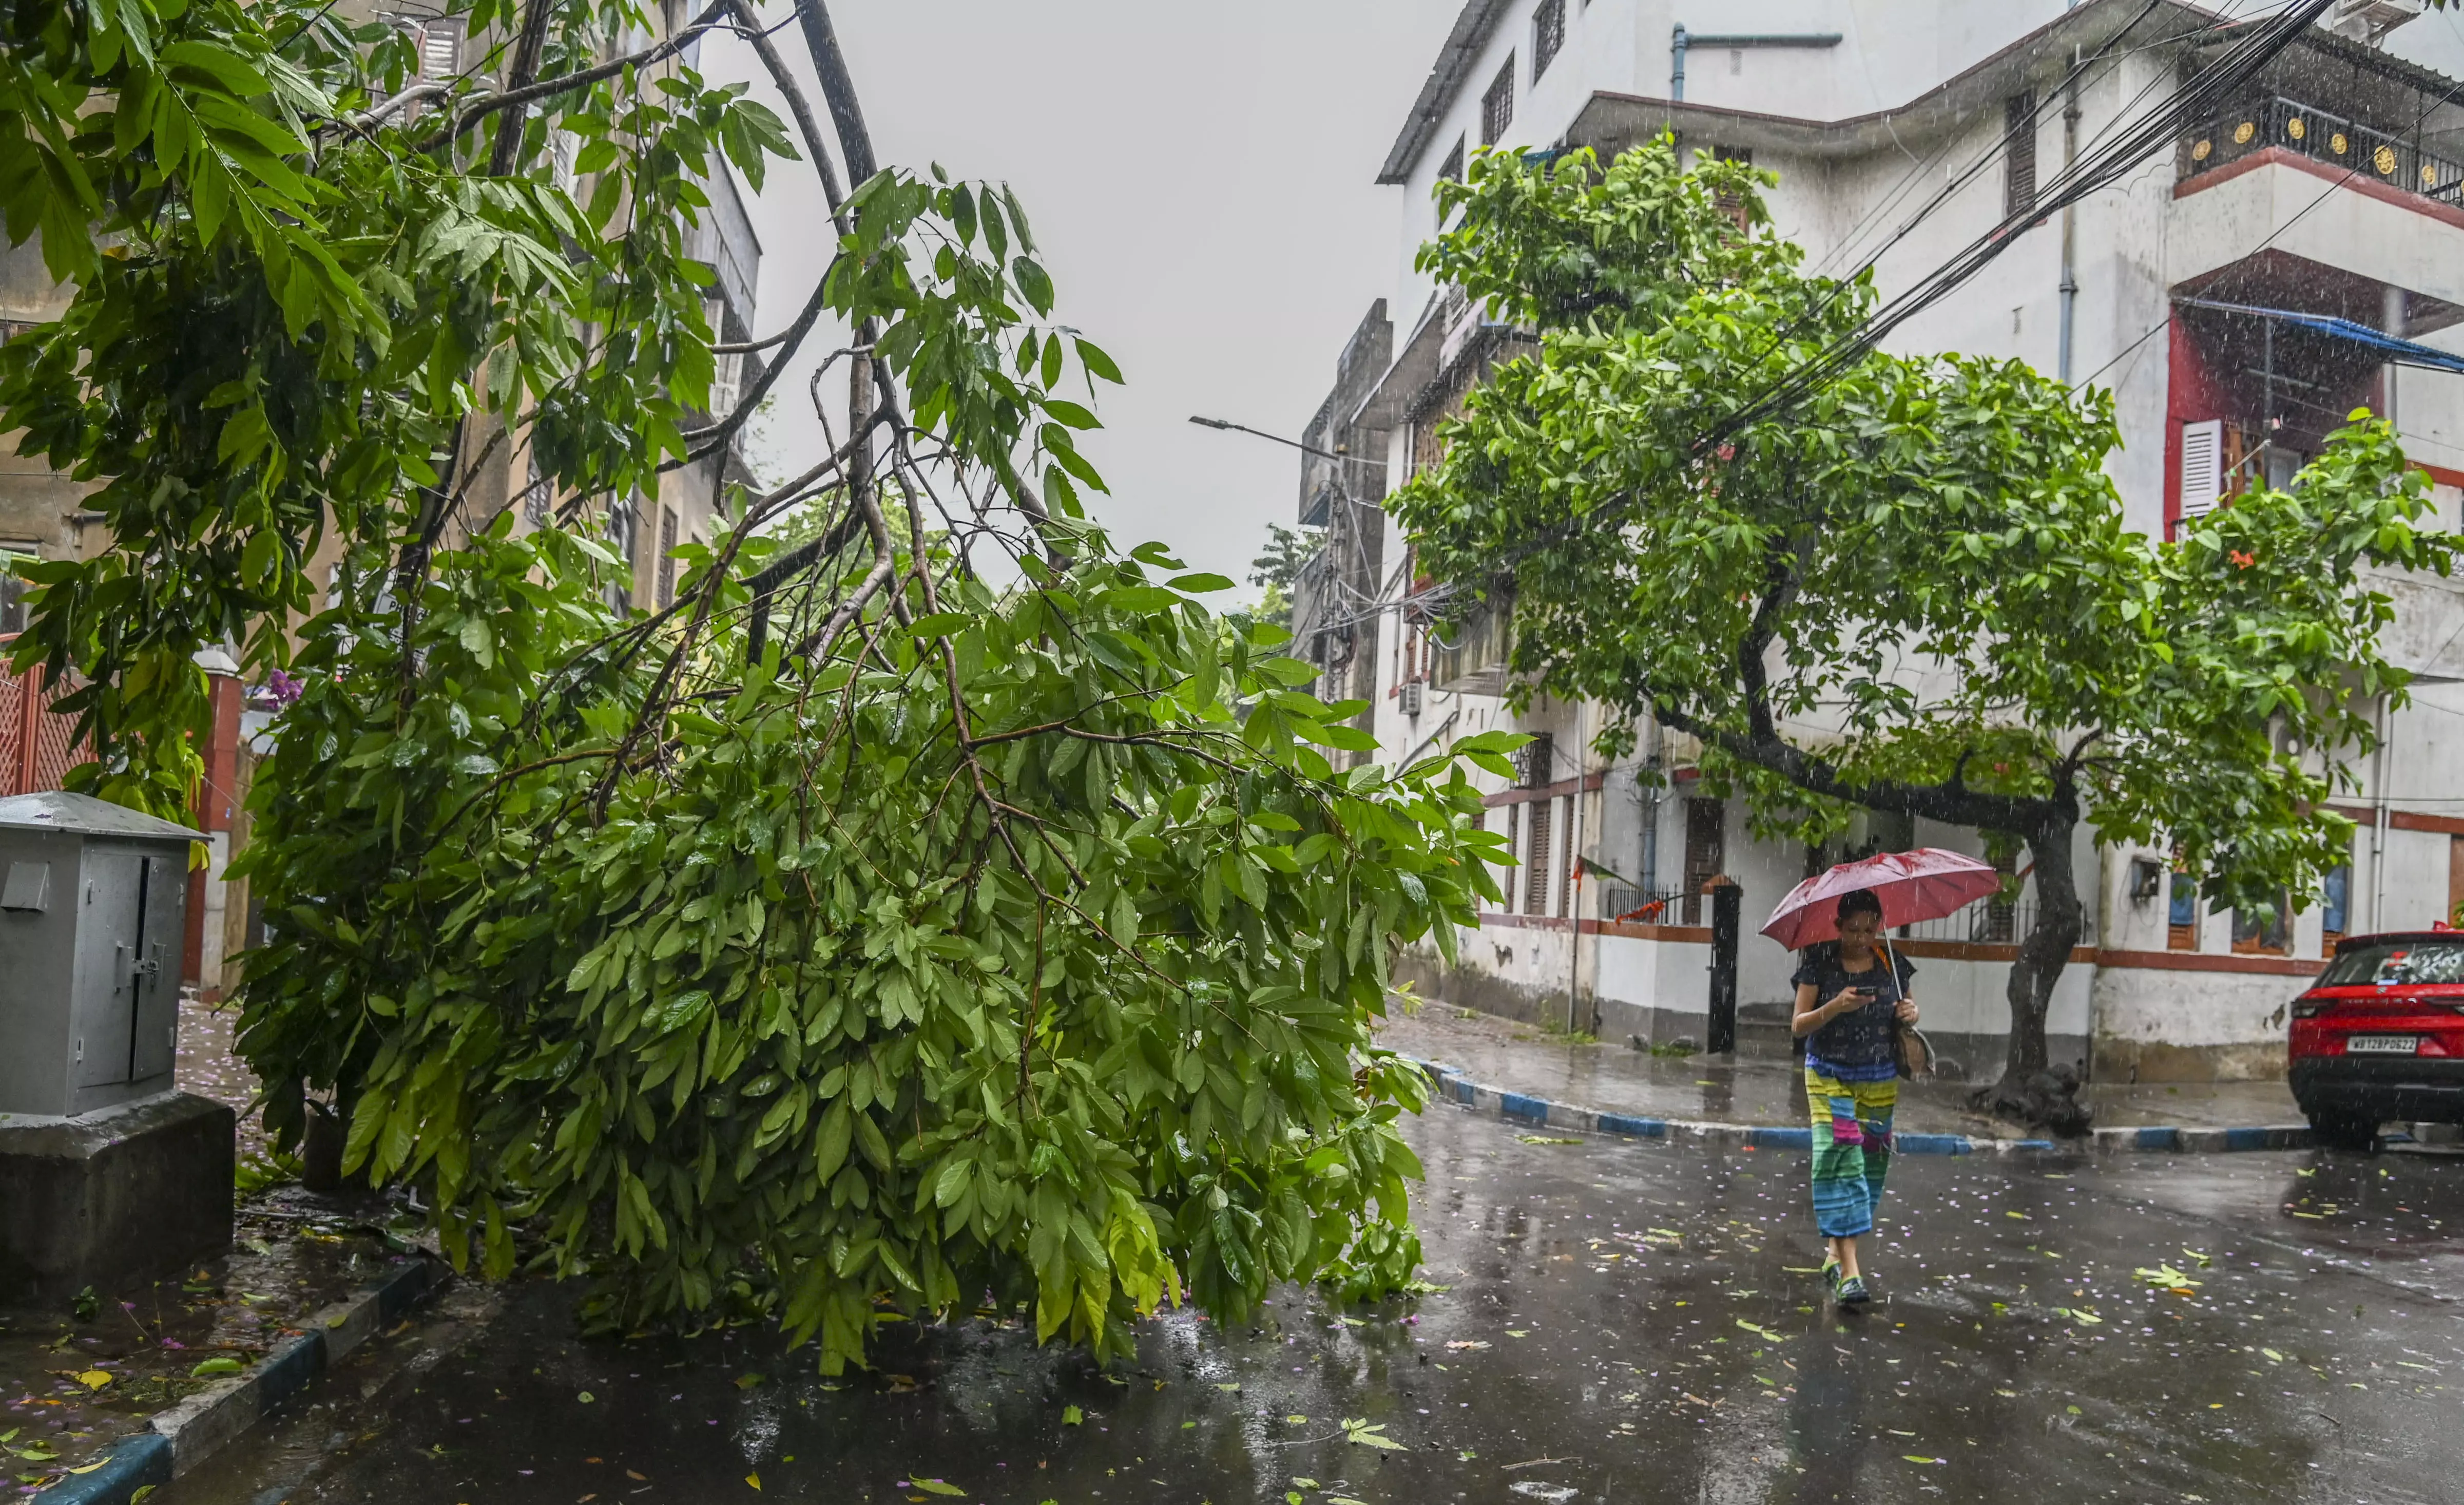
1849,1004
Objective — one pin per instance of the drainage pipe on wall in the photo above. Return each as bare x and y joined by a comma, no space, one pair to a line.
1681,39
2070,222
2379,820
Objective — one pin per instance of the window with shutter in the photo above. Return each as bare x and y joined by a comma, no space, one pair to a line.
2019,155
667,558
440,50
1536,866
1497,106
2202,466
1513,833
1566,869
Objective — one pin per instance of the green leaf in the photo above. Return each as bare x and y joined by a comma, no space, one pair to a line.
1033,282
1098,364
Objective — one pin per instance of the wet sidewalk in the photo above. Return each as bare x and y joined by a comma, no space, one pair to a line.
1771,1091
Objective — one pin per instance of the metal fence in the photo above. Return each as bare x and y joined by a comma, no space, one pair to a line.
1622,901
1991,921
2275,121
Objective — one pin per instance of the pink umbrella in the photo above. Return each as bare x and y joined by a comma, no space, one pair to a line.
1924,884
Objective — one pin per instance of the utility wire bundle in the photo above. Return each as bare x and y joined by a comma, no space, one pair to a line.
2101,168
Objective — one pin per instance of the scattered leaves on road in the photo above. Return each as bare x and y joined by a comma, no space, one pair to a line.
1359,1430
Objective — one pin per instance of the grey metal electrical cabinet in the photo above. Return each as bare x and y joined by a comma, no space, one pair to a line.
93,896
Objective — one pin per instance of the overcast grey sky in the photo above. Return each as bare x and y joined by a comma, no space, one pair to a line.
1199,180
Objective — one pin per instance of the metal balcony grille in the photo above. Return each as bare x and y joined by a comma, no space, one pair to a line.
2275,121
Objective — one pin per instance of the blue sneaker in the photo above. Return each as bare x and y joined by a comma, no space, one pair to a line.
1851,1292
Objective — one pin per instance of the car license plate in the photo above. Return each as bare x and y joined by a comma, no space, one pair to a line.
2382,1044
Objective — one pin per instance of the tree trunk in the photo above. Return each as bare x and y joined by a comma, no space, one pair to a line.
2029,1090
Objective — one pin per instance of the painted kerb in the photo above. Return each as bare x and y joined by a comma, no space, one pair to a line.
1452,1086
189,1433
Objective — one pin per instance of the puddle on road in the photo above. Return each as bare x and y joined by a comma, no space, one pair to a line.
1621,1322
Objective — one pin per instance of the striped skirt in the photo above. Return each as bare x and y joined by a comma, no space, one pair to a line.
1852,1149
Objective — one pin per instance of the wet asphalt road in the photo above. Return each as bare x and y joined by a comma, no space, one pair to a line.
1624,1323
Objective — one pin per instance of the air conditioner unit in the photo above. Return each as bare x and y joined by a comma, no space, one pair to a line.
2368,20
1409,695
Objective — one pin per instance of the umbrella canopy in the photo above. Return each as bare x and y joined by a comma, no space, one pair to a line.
1924,884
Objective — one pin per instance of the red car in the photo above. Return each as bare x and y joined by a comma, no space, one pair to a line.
2380,1036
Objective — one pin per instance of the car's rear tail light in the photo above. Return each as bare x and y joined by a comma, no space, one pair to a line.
2309,1007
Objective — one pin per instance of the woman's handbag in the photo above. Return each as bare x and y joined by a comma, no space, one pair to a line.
1914,1052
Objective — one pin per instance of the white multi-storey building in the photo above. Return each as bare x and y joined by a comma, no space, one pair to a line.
2230,293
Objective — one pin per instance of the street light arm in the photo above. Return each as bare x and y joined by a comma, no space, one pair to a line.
1242,428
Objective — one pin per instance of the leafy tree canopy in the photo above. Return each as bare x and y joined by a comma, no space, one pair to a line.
1913,589
859,935
1278,568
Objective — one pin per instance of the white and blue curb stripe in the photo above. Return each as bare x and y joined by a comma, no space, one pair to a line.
1452,1086
189,1433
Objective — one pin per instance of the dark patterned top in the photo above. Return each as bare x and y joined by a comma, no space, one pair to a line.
1858,1045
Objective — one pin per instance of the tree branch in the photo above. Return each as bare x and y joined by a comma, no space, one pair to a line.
798,106
1783,569
838,89
478,109
1817,776
520,75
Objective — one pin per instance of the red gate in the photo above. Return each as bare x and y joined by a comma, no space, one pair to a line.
38,744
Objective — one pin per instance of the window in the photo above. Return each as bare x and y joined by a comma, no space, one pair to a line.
619,533
2019,155
440,49
1705,853
1535,861
726,383
667,558
2262,931
1497,106
539,493
1731,204
2182,927
13,590
1539,756
1566,869
1450,170
2396,964
2202,467
1513,833
2336,899
1547,34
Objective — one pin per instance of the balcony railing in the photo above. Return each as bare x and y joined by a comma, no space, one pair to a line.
1620,902
2275,121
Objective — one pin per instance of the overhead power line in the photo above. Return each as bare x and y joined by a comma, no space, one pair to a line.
2197,99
